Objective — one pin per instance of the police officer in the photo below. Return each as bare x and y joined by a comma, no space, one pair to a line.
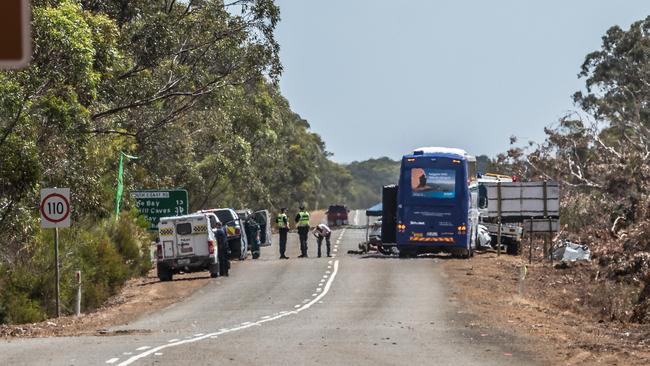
224,249
302,222
283,228
252,233
323,231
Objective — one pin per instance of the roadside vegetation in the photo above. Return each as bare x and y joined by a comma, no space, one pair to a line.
600,154
189,87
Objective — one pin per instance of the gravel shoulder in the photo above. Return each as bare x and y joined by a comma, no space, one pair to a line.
551,310
138,297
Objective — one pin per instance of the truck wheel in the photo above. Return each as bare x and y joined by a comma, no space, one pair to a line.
164,274
513,247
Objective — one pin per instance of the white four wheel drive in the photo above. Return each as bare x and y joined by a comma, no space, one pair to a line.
187,244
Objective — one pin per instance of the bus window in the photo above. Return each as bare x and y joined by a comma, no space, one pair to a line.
433,183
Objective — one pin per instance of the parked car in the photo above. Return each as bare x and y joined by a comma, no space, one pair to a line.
337,215
187,244
234,229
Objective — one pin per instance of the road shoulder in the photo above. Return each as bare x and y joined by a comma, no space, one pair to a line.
532,312
139,297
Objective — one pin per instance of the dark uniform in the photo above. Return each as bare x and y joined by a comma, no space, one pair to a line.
283,228
302,221
252,231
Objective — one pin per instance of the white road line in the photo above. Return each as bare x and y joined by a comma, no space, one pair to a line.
312,295
304,307
173,340
112,360
142,348
198,334
297,306
330,262
158,354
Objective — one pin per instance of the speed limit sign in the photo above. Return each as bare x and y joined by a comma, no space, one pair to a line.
55,207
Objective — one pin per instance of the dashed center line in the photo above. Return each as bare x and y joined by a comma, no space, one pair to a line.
318,296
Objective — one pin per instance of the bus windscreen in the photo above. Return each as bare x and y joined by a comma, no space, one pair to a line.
433,183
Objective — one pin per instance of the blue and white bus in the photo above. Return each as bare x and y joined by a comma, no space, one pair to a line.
437,202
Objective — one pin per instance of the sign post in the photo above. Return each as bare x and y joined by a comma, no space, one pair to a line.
154,204
55,213
14,34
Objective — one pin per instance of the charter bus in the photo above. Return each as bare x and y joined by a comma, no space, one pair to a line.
437,202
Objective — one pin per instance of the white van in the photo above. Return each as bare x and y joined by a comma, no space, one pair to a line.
187,244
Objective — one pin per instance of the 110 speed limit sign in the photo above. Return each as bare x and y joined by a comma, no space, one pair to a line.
55,207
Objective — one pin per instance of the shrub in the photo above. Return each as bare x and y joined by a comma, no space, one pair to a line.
107,253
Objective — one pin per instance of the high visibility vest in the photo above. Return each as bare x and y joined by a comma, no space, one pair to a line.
304,218
282,221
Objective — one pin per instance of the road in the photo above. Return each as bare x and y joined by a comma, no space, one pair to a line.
345,310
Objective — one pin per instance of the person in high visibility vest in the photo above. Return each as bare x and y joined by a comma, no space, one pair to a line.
283,228
302,222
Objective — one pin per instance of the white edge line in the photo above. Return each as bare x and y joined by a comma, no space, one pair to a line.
112,360
259,322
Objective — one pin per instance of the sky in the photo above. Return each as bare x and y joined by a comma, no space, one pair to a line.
382,77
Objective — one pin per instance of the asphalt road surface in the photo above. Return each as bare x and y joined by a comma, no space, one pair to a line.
344,310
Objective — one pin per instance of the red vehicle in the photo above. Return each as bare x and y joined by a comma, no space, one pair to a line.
337,215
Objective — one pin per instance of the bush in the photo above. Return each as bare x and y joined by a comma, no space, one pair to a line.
107,254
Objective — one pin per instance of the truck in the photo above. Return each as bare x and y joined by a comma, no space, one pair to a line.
337,215
187,244
511,232
234,227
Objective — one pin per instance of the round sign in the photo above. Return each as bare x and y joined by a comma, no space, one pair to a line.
55,208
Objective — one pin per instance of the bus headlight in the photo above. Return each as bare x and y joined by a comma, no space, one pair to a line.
401,228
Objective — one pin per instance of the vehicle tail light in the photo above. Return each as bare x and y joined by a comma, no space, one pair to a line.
401,228
159,251
211,246
462,229
237,231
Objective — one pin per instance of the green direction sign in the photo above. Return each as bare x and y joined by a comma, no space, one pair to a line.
154,204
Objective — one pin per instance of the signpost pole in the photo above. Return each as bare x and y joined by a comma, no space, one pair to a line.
546,239
530,247
55,211
56,266
499,218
